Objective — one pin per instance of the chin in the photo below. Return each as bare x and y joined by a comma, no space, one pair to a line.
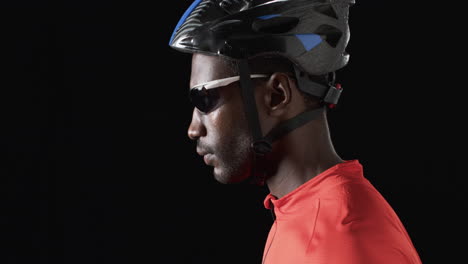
228,176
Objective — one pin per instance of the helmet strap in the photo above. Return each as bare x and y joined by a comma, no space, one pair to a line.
250,109
259,145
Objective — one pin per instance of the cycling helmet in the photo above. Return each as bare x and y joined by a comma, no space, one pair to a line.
313,34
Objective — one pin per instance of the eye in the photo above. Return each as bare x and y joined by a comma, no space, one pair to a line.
204,100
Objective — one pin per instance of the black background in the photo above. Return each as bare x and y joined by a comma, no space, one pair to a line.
96,166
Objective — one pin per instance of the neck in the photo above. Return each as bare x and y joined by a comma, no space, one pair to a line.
301,155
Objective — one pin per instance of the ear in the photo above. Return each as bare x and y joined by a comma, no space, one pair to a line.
277,97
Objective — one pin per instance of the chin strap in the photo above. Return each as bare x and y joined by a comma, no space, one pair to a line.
262,145
250,106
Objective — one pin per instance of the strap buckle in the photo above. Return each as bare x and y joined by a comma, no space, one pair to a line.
262,147
333,94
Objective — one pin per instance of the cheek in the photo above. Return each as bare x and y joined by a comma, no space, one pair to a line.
222,124
228,119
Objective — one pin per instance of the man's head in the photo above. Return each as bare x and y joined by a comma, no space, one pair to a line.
222,133
252,99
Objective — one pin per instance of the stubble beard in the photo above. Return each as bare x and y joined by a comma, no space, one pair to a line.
234,160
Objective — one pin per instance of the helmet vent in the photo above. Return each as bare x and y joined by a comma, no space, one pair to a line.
275,25
326,10
234,6
332,35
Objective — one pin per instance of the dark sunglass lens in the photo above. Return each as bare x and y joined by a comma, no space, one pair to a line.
204,100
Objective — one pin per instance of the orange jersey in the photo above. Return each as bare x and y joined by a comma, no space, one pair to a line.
337,217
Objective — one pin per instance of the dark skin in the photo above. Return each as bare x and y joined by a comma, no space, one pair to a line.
224,139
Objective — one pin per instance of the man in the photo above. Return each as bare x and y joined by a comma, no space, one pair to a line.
268,66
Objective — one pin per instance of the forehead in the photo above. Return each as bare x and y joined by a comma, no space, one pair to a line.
206,68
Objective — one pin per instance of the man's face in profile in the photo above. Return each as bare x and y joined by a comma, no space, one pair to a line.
222,134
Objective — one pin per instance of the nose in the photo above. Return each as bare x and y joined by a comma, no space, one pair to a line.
196,128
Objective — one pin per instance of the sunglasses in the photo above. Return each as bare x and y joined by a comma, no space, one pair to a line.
205,97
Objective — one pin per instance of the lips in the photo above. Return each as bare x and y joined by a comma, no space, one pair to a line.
202,152
207,157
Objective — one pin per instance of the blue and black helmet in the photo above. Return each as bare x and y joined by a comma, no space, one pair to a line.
313,34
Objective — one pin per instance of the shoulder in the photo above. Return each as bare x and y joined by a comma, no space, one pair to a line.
355,220
358,208
355,195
